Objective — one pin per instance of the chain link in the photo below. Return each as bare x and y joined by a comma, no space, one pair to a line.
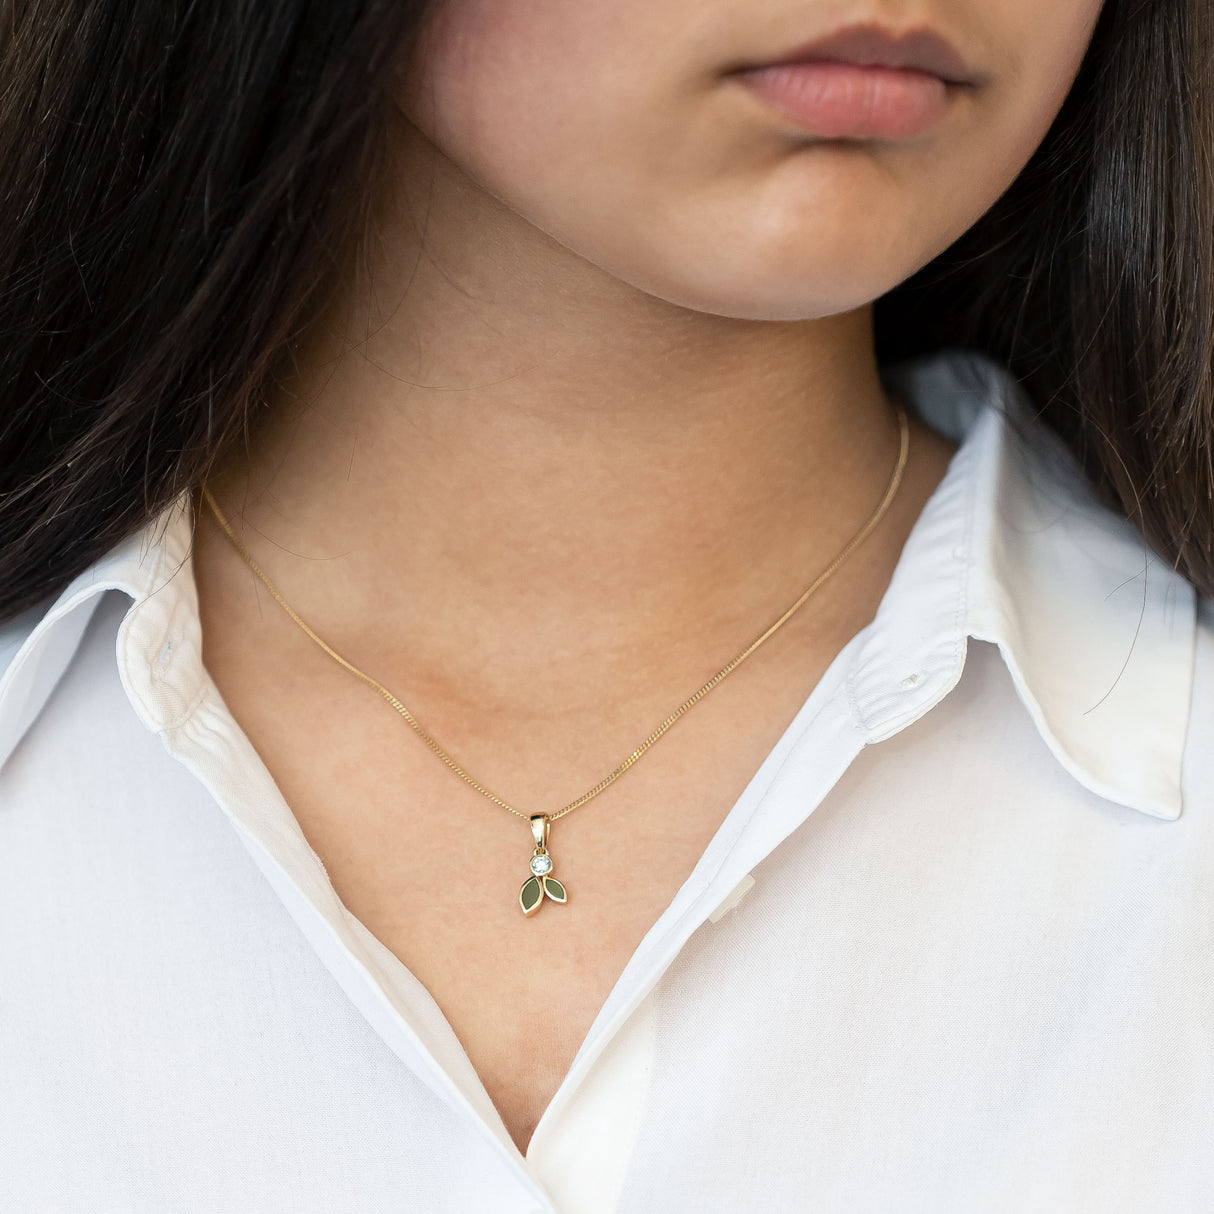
873,519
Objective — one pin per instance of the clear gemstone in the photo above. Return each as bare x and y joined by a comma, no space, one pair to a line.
541,865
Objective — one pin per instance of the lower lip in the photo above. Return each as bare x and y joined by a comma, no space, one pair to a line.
846,101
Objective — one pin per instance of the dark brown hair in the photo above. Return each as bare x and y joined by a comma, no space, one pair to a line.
1092,278
178,181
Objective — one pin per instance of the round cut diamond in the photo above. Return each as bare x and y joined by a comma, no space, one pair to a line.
541,865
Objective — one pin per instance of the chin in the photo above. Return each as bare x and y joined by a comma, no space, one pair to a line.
782,264
766,289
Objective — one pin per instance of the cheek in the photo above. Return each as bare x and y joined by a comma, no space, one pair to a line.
512,89
944,186
597,123
1042,43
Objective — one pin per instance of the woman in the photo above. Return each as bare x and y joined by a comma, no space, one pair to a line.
390,383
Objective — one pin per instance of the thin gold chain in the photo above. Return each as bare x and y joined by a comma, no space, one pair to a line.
873,519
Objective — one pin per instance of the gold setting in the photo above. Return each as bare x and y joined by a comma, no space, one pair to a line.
538,885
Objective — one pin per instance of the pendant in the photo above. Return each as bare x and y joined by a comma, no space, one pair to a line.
541,882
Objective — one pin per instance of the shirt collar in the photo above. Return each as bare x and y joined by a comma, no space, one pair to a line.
1012,547
1098,633
37,647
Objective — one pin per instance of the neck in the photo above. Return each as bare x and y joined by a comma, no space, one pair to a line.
500,451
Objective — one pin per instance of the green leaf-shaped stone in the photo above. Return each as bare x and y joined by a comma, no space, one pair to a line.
554,889
531,895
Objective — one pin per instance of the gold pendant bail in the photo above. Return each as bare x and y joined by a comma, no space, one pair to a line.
539,830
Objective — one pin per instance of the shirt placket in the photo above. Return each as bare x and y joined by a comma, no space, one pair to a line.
816,748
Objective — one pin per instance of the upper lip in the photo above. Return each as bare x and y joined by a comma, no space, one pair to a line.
868,44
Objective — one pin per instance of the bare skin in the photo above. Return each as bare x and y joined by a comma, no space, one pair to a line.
376,805
544,502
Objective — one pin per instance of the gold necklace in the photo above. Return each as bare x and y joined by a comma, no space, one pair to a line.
542,882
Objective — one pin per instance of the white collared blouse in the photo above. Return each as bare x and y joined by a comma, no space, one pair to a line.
952,950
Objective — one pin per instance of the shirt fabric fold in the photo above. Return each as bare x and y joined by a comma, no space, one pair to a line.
950,950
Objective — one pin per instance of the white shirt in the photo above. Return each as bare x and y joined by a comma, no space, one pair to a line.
951,951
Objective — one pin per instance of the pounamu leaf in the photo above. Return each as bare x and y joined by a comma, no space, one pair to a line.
554,889
531,895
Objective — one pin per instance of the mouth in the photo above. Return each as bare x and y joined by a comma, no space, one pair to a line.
863,82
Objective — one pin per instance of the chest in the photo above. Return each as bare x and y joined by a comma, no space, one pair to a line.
434,870
991,982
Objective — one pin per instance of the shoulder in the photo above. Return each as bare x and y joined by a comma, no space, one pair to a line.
16,632
37,647
35,650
